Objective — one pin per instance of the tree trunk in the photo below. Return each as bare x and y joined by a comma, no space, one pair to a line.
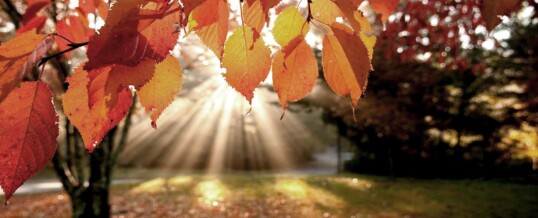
93,200
87,178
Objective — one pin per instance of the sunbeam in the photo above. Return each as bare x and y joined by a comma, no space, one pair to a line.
207,128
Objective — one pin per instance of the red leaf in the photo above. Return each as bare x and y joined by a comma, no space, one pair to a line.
27,135
134,34
75,28
492,9
19,55
98,100
35,23
34,6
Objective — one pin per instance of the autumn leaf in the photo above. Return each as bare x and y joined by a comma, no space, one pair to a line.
209,21
289,25
19,55
75,28
27,135
492,9
325,11
161,90
98,100
366,35
256,12
384,7
350,9
188,7
134,34
33,7
99,7
247,61
345,70
36,23
295,71
253,15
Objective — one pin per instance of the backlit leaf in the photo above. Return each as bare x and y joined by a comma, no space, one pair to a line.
350,9
134,34
253,14
247,61
210,22
34,6
346,70
19,55
295,71
256,12
288,25
75,28
27,135
160,91
35,23
325,11
98,100
384,7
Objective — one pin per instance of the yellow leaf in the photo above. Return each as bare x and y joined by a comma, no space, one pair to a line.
162,89
247,61
288,25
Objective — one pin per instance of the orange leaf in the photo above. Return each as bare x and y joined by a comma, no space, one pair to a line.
163,87
94,6
27,135
492,9
350,10
210,22
384,7
189,6
247,61
346,70
19,55
256,12
253,14
288,25
98,100
134,34
295,71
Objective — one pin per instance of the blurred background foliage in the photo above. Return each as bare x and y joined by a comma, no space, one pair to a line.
433,112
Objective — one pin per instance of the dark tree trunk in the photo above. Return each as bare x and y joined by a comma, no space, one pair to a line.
87,178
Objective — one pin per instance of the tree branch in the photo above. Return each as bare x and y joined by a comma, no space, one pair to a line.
72,46
15,16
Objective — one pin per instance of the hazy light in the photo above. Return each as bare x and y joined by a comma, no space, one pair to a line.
211,193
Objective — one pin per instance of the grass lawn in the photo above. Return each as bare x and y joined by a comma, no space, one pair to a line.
255,195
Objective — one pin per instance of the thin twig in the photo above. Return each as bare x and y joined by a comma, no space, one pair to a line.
72,46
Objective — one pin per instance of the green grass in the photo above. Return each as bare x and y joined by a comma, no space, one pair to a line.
350,195
317,196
